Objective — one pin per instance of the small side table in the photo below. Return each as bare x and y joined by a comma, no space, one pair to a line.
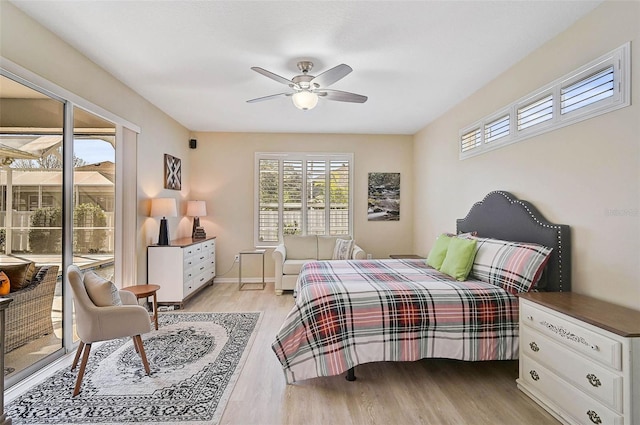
145,291
250,252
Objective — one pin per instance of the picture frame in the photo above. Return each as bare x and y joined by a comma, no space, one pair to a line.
383,197
172,172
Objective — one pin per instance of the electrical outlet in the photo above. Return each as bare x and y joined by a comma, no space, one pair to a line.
236,259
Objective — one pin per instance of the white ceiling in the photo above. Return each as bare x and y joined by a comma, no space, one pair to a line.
414,59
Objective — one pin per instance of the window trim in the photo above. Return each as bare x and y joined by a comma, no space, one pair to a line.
304,157
619,58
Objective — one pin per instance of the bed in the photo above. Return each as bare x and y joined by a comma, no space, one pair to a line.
352,312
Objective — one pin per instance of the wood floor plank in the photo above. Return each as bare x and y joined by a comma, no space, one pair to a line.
430,391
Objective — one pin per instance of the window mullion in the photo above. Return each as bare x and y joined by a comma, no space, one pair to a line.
327,198
303,196
280,199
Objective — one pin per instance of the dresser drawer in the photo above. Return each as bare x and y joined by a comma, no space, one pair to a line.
189,252
189,262
595,380
201,279
569,402
594,345
209,245
201,257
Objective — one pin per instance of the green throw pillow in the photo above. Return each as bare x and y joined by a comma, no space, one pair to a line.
438,251
459,259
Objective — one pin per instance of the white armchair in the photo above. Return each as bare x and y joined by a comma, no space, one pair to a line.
96,323
295,251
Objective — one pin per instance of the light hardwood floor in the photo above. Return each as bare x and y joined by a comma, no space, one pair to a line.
431,391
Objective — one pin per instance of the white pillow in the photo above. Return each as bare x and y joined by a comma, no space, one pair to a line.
343,249
102,292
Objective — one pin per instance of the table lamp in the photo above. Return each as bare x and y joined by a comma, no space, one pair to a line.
163,207
197,209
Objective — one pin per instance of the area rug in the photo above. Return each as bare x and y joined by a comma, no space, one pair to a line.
195,359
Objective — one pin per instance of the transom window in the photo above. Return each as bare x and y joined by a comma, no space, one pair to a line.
598,87
292,196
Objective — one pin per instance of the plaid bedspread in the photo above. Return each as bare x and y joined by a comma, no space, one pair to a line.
348,313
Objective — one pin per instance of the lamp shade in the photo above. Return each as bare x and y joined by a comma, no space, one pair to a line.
305,100
196,208
163,207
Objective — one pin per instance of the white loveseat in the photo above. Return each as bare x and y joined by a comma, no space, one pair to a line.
291,255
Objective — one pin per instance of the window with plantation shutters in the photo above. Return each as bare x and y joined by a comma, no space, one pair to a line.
302,194
471,140
587,91
268,202
292,197
598,87
535,113
496,129
339,195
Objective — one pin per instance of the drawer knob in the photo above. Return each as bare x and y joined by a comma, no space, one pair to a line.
595,347
534,347
593,380
534,375
529,317
594,417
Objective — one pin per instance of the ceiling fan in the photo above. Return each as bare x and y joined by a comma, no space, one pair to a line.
306,89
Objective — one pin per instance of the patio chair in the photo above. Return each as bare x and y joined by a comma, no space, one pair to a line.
95,323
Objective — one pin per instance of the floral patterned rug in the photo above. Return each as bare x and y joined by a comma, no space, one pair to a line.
195,359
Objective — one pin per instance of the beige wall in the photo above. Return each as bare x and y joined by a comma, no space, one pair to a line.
575,175
222,170
31,46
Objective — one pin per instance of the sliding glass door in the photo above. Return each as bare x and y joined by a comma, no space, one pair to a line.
36,220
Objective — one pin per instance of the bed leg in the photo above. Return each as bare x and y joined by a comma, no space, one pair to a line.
351,374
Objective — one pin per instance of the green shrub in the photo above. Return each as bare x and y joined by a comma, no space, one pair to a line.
85,241
46,241
89,241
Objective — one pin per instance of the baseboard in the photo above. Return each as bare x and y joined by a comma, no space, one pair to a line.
244,280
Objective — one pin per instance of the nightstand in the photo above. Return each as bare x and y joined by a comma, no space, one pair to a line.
580,357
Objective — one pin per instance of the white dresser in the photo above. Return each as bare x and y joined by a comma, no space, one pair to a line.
181,268
580,358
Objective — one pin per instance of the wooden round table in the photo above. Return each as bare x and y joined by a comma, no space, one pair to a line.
145,291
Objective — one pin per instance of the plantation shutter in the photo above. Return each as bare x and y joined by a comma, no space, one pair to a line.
268,181
339,198
292,197
591,89
496,129
535,113
471,140
316,197
302,194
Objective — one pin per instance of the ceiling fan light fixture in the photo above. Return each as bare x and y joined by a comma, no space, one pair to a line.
305,100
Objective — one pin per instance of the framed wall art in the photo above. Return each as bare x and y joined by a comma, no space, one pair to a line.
172,172
384,197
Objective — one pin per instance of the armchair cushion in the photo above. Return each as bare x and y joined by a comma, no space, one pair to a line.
293,266
103,293
20,275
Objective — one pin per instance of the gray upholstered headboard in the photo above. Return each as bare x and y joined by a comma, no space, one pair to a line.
500,215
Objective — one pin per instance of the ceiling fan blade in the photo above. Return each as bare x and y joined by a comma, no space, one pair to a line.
342,96
273,96
331,76
271,75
